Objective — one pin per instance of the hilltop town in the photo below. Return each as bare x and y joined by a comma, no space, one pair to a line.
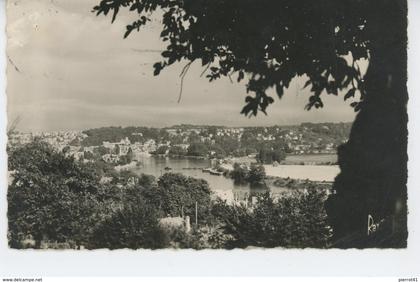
122,145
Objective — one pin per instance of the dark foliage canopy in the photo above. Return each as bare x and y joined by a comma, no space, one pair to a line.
50,196
134,226
266,42
177,195
294,221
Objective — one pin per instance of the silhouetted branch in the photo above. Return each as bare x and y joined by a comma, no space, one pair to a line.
182,75
204,71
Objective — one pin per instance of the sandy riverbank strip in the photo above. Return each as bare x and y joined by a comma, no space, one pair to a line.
126,166
310,172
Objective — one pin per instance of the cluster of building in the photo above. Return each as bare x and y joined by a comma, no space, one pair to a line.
298,144
294,136
124,147
299,140
57,139
69,142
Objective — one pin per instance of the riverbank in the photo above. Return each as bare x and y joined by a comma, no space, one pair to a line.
292,159
311,159
312,172
303,172
179,156
128,166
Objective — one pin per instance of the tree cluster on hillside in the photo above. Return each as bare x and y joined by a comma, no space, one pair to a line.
51,196
161,150
59,202
95,137
269,155
177,195
256,174
177,151
127,158
54,198
133,226
295,221
197,149
241,173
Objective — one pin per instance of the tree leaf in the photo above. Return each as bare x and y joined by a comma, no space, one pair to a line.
240,76
350,93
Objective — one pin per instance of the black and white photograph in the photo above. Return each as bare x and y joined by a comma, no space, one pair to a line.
198,124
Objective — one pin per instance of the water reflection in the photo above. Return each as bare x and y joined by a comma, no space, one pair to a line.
222,187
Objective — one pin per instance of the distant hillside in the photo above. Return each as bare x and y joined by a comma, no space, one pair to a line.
334,133
96,136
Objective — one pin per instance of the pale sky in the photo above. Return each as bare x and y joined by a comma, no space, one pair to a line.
75,71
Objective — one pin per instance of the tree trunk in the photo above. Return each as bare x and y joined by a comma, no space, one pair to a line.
373,163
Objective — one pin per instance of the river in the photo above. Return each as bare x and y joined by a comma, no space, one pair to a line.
223,187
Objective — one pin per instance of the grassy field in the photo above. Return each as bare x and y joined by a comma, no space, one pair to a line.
310,172
307,159
314,158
